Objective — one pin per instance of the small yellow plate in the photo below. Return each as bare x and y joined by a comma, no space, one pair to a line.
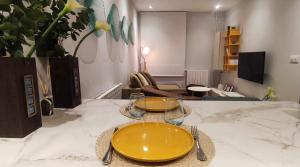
156,104
152,142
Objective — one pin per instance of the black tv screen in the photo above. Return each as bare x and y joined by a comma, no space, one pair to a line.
251,66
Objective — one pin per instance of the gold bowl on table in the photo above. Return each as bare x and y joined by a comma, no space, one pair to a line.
152,142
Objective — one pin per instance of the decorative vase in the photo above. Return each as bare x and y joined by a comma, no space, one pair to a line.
65,81
19,97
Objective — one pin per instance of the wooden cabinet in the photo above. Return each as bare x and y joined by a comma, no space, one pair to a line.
232,45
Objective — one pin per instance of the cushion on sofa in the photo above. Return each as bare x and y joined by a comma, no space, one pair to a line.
143,79
150,78
135,81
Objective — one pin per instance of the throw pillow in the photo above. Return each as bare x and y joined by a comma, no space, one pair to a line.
153,82
143,79
135,81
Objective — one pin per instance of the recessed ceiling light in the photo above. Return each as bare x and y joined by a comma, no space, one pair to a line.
150,7
218,6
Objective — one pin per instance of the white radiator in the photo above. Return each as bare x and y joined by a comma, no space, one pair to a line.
113,93
200,77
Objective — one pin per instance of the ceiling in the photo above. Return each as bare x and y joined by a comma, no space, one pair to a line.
183,5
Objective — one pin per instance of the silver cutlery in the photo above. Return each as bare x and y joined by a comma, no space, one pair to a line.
200,154
108,155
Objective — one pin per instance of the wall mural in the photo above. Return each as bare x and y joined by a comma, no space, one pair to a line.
113,19
88,50
124,30
118,29
130,34
97,15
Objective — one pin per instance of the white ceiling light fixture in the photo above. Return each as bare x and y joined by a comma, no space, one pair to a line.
150,7
218,6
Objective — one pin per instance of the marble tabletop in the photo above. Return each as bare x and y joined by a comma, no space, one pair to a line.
245,134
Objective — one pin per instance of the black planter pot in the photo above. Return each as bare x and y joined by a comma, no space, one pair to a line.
47,106
65,81
19,97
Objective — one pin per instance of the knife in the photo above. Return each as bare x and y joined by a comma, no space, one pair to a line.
108,155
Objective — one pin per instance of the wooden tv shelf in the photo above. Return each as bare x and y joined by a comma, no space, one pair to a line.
232,45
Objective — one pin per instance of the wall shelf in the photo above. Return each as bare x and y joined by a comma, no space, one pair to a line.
232,45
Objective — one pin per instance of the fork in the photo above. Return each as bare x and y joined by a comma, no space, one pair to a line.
200,154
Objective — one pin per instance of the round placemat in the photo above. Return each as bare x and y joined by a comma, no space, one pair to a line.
152,116
190,160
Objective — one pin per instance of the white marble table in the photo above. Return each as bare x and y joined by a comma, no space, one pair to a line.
245,134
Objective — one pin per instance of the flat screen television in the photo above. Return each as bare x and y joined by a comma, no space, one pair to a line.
251,66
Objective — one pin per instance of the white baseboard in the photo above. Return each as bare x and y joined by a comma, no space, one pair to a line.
113,93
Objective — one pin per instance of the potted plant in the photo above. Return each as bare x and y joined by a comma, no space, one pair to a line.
19,98
65,79
65,75
65,28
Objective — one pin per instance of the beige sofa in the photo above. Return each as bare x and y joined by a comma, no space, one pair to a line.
146,80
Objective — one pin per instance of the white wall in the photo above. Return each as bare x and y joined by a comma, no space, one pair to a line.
272,26
178,41
114,61
165,34
200,39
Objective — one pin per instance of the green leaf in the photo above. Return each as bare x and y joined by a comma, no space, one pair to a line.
29,34
18,9
27,22
10,38
46,2
59,50
61,4
7,26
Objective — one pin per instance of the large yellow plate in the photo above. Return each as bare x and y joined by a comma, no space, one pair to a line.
152,142
156,104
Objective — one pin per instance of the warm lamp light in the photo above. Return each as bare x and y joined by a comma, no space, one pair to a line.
145,51
218,6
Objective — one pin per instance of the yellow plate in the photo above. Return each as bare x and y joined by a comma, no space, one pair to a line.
152,142
156,104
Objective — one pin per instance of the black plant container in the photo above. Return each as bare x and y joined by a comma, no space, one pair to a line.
19,97
65,81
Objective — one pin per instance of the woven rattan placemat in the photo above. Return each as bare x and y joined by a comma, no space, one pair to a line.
190,160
